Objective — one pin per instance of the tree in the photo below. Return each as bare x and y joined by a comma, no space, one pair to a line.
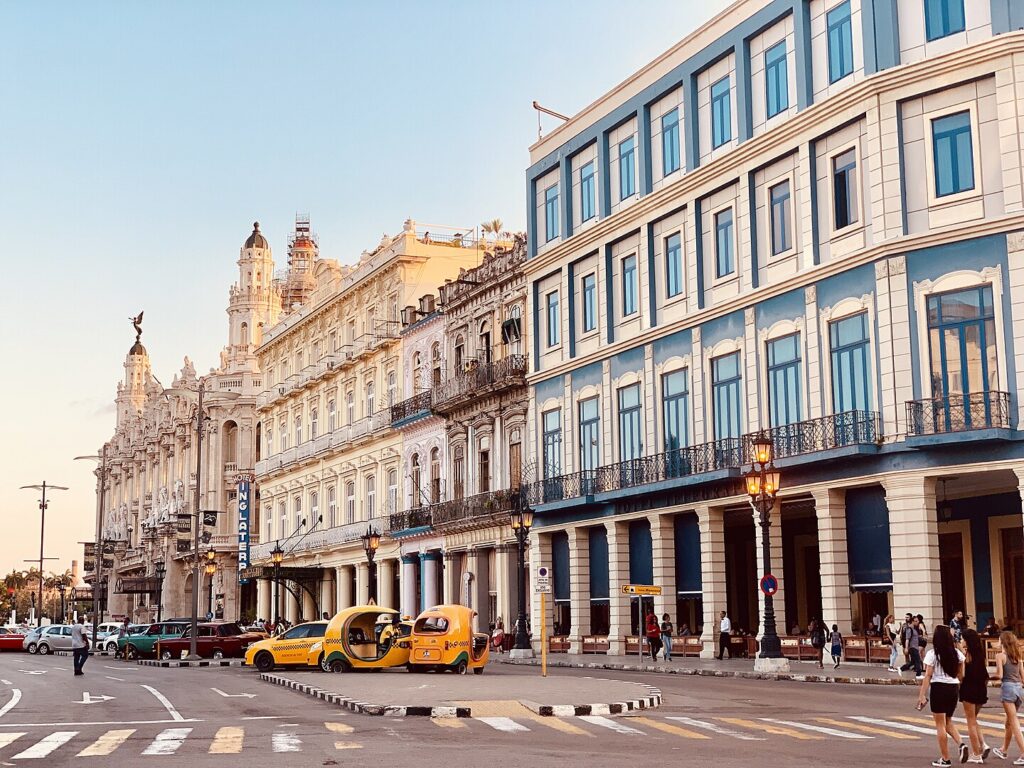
493,227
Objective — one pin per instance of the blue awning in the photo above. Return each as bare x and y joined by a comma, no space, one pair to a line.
598,563
560,564
687,537
641,553
867,538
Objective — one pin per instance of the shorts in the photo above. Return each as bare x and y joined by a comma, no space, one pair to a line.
944,698
1012,693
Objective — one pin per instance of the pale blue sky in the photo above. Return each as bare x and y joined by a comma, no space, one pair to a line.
138,141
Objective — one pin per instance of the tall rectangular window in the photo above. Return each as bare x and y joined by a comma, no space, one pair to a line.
776,79
670,142
588,192
953,154
589,302
781,210
725,395
840,42
675,404
627,169
629,286
943,18
851,363
350,502
784,404
673,265
552,423
553,319
725,261
721,113
844,188
551,213
631,443
590,434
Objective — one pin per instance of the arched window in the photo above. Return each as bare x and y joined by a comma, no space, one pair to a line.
392,388
296,512
314,508
459,472
460,353
269,438
417,376
350,406
371,497
284,433
243,334
298,429
332,507
259,447
229,442
435,476
332,415
484,343
314,422
282,514
416,500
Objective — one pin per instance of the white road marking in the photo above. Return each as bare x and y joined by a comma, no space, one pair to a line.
234,695
163,700
506,724
9,738
15,698
46,745
263,717
819,729
119,679
613,725
285,742
167,742
892,724
100,722
715,728
88,698
121,669
33,671
6,682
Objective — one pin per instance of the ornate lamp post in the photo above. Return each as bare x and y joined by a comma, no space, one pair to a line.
521,520
161,572
62,589
276,556
371,540
763,481
211,569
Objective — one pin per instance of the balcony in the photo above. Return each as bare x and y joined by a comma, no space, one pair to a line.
480,379
958,413
411,518
477,509
411,408
230,467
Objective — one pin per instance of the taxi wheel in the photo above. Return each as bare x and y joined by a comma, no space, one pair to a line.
322,663
460,668
478,671
264,661
339,666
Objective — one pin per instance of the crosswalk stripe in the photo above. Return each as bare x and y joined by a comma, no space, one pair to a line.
285,742
867,729
7,739
448,722
891,724
715,728
506,724
228,741
167,742
613,725
339,727
776,730
675,730
107,743
560,724
347,745
46,745
818,729
996,730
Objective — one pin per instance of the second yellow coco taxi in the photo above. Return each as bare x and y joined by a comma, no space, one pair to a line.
363,637
291,648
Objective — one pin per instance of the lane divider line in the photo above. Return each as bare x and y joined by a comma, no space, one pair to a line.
891,724
167,704
613,725
15,698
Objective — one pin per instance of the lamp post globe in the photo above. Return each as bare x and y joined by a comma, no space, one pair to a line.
371,541
520,521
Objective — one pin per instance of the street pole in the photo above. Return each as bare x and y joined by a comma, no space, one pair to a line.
196,520
521,520
98,554
42,533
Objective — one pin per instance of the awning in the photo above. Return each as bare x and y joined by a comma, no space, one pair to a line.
598,563
687,539
641,553
867,538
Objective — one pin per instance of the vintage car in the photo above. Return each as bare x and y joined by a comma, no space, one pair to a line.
110,642
10,640
144,645
290,648
443,639
214,640
362,637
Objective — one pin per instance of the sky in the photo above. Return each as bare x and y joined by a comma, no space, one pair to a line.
139,141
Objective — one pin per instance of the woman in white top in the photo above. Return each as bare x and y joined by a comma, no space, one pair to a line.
944,669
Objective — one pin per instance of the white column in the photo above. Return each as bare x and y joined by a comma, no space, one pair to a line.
308,612
362,583
450,587
914,539
428,562
663,548
408,596
711,521
327,592
386,582
814,398
505,585
343,577
778,569
539,554
836,607
1015,264
265,598
579,587
618,573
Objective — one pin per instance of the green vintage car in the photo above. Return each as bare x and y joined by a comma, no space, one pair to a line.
144,645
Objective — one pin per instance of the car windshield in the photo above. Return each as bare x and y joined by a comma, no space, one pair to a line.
432,625
229,629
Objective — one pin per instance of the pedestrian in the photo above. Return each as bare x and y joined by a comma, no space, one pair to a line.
836,645
666,636
974,693
1011,694
817,633
724,630
653,633
922,629
957,625
944,668
498,636
890,631
79,645
326,616
912,647
991,628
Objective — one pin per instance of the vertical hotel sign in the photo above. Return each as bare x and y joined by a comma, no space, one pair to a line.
244,504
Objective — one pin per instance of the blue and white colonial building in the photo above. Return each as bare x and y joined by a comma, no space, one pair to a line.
806,218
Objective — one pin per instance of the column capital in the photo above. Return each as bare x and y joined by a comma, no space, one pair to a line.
1018,470
898,485
827,497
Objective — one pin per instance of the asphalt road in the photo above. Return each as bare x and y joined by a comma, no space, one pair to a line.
121,714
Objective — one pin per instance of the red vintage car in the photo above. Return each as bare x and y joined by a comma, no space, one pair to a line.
10,640
214,640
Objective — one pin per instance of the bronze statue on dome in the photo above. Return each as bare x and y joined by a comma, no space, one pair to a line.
137,324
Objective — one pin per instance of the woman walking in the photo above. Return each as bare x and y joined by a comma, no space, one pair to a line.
666,636
890,631
974,693
944,668
1011,694
653,635
816,630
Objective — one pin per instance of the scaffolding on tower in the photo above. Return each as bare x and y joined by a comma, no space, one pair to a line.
303,251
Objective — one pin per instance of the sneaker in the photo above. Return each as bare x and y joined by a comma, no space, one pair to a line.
919,677
999,753
985,749
964,752
976,759
836,666
1019,761
941,763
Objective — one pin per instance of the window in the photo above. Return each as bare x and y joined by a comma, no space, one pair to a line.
776,79
332,506
588,192
840,42
269,432
589,302
630,436
298,429
953,154
552,421
268,521
392,490
551,213
844,188
484,474
673,265
435,366
297,511
784,402
851,363
332,415
350,406
350,502
781,208
314,422
435,475
484,343
553,320
417,477
284,433
725,262
590,434
460,349
314,507
371,497
675,402
670,142
943,18
721,113
629,287
371,398
459,473
627,171
725,393
393,385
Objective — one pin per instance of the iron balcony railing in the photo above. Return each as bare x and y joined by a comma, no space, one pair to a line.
509,370
410,518
411,406
480,505
958,413
821,434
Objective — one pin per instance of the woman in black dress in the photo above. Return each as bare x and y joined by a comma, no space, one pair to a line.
974,692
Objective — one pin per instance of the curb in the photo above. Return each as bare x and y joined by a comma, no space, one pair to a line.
91,653
652,700
186,664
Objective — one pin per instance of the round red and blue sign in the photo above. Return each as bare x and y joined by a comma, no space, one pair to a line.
769,584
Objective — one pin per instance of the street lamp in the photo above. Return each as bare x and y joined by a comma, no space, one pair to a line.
42,530
276,556
211,569
62,589
371,540
762,483
161,572
521,521
101,483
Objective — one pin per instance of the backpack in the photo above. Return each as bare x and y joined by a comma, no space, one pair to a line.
818,637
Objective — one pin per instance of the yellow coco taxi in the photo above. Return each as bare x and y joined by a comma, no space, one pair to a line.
290,648
363,637
443,639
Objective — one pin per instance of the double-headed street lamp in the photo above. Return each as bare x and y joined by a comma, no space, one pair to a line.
161,572
371,540
276,556
521,520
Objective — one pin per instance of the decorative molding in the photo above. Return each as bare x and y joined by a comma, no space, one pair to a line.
898,265
811,294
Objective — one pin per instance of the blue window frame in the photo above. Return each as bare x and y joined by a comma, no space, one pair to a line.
844,188
776,79
590,434
781,210
627,169
551,212
673,265
629,286
631,442
725,393
840,42
553,319
721,113
589,302
953,154
552,442
725,261
851,363
670,142
943,18
588,199
784,404
675,404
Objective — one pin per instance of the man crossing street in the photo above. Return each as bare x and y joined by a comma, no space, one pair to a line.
79,645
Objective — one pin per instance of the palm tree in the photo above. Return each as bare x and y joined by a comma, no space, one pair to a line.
493,227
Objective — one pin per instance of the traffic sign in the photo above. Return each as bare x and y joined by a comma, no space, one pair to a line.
542,586
769,584
643,590
543,572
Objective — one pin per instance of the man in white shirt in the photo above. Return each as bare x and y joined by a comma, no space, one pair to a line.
79,645
724,631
